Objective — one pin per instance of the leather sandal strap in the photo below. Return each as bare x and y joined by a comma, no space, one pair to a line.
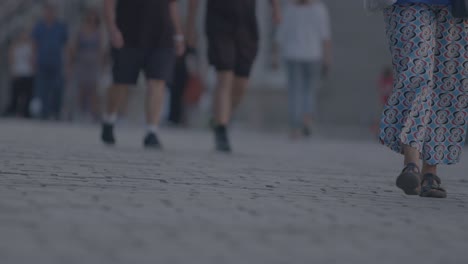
412,167
430,178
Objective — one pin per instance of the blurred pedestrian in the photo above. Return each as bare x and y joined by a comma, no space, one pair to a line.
425,117
232,33
145,35
177,89
305,40
21,65
87,57
50,37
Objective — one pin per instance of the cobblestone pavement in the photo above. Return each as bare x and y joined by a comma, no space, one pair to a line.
65,198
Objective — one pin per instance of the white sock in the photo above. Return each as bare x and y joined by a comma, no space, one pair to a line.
110,118
150,128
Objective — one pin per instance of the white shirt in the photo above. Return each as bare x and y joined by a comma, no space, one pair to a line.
303,31
22,60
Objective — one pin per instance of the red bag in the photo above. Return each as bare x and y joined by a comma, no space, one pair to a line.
193,91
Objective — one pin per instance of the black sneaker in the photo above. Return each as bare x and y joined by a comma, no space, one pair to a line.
151,141
222,139
107,135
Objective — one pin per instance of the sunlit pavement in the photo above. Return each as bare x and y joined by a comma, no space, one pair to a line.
65,198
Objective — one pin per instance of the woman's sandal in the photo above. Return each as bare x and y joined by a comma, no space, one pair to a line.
432,187
410,180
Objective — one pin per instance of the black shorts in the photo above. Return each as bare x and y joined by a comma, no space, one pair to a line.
233,52
157,64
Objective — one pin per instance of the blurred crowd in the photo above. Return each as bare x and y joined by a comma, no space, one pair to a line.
57,74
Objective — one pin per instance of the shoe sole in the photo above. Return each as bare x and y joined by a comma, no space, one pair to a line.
434,194
153,148
410,183
108,143
225,151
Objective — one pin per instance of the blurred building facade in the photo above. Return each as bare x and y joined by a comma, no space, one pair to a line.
349,95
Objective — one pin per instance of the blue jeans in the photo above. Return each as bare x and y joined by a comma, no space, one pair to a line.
303,84
49,89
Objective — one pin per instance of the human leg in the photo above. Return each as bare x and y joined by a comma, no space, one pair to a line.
404,118
125,70
295,100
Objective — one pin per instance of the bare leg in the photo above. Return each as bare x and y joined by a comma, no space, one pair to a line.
411,155
238,92
154,101
116,97
222,99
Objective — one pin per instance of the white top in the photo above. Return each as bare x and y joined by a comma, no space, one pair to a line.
303,30
22,60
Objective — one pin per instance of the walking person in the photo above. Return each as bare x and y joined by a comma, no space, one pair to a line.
232,33
177,89
305,40
50,38
21,64
425,117
145,36
87,58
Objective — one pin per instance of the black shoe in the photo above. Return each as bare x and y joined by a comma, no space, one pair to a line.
151,141
410,180
107,135
222,139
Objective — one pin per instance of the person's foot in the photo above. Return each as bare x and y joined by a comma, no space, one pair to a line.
431,187
410,180
151,141
222,139
107,135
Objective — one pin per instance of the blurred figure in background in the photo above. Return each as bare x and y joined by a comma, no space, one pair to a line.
177,88
50,37
305,40
232,33
87,58
21,65
145,35
186,89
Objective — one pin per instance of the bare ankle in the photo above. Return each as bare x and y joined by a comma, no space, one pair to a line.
429,169
411,156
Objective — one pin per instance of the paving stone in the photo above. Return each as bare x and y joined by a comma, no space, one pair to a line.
66,198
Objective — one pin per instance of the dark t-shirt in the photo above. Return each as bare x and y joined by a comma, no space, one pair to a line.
145,23
229,16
